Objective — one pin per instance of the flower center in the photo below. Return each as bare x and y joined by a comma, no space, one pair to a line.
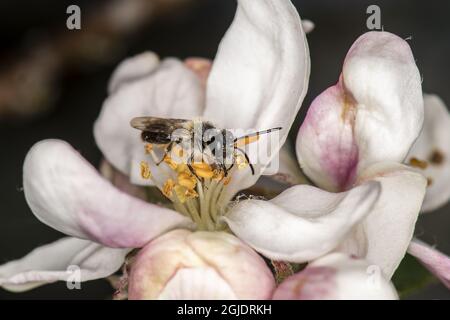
195,189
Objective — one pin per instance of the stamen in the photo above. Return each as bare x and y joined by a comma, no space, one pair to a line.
416,163
187,180
145,170
168,188
203,170
183,193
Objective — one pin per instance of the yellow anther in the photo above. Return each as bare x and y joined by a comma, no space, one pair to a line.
169,161
187,180
203,170
148,148
241,162
168,188
226,180
184,193
417,163
145,170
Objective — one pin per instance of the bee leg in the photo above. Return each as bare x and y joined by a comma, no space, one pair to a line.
247,159
194,173
166,152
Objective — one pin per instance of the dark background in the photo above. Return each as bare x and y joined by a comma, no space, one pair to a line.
192,32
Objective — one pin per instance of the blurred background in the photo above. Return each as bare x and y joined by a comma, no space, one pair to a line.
53,82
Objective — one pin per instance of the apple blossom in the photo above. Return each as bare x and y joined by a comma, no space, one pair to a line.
265,50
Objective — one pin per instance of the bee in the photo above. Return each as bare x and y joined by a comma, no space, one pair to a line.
218,146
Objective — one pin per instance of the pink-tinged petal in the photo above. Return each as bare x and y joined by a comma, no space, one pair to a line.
171,91
121,181
133,69
201,67
302,223
373,114
259,77
171,267
326,148
60,261
435,261
65,192
337,277
197,284
383,237
431,153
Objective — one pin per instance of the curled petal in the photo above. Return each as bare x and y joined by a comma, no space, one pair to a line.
435,261
61,261
133,69
171,91
373,114
200,265
383,237
431,153
260,74
303,222
65,192
337,277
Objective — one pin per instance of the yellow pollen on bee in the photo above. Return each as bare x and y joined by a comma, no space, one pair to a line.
169,161
148,148
241,162
203,170
168,188
186,180
145,170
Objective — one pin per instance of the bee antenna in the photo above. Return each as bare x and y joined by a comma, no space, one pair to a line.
258,133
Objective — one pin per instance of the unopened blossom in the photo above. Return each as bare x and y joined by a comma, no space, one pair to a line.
200,265
265,50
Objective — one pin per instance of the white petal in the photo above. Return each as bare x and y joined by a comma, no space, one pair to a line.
337,277
65,192
289,171
437,262
303,222
171,91
133,69
260,74
385,234
433,146
197,284
58,262
374,113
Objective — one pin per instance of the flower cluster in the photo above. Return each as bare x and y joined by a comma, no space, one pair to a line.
375,151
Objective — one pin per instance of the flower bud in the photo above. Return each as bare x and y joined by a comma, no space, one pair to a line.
200,265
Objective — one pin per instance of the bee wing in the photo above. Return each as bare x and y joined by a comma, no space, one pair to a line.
154,124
